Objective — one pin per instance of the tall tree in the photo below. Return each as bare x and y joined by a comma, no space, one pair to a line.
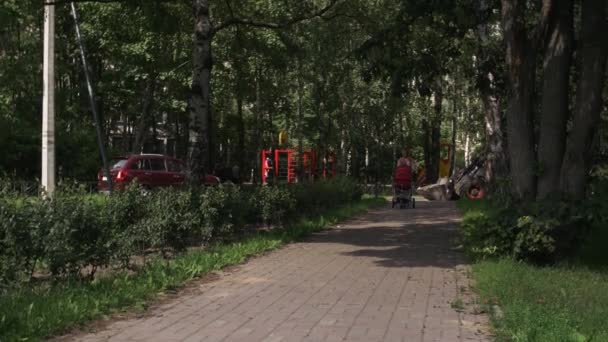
521,57
593,51
487,79
200,98
555,97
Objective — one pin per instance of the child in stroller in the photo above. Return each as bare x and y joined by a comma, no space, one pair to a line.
402,186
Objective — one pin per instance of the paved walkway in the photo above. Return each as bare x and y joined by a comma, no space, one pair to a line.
390,275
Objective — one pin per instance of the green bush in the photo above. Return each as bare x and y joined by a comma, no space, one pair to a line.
325,194
170,221
75,233
17,251
541,232
23,236
123,211
78,237
223,212
274,204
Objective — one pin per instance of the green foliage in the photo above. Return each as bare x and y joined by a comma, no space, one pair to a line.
328,193
539,232
274,204
223,212
73,234
564,302
77,236
171,221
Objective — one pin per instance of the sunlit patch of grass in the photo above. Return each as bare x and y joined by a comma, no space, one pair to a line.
545,303
564,302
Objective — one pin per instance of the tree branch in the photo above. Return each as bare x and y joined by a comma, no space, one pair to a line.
273,26
64,2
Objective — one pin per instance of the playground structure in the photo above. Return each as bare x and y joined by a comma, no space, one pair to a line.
445,158
283,165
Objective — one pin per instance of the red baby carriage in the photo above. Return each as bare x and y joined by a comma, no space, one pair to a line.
403,187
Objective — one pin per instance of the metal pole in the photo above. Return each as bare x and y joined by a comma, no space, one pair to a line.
85,66
48,103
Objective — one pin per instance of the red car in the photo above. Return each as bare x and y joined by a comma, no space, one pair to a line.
150,170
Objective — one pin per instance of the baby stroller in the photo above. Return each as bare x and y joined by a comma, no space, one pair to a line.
402,188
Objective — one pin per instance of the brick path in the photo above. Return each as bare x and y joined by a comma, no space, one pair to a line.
390,275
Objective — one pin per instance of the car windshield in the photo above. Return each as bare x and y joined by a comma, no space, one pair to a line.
117,163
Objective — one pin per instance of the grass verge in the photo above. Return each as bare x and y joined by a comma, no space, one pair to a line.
545,304
566,302
35,312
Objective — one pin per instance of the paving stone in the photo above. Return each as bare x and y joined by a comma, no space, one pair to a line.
390,275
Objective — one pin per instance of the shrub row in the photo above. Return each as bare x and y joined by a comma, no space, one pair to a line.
75,234
542,232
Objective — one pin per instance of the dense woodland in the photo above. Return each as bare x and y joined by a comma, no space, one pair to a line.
519,83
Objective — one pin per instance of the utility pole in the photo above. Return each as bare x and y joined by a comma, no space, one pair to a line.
48,102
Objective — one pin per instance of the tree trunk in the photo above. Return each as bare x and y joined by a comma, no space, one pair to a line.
257,117
300,128
496,157
395,104
433,132
555,98
521,61
467,149
144,120
240,155
426,145
126,146
155,147
593,52
454,133
199,158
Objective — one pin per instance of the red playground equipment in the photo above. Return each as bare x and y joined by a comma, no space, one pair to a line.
282,165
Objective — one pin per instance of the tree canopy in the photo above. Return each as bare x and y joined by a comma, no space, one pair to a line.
518,84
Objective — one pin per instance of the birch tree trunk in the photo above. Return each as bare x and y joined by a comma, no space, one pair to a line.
199,158
144,120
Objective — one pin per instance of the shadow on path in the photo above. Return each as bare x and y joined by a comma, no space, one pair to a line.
420,237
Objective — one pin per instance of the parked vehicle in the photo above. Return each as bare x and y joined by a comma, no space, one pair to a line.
150,170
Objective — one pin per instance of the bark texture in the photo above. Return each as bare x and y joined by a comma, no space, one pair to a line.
496,154
593,51
143,123
432,130
200,98
521,62
555,97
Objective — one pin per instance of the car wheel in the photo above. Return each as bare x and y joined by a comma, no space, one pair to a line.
476,191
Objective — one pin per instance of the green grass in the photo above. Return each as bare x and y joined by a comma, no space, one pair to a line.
545,304
35,312
566,302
